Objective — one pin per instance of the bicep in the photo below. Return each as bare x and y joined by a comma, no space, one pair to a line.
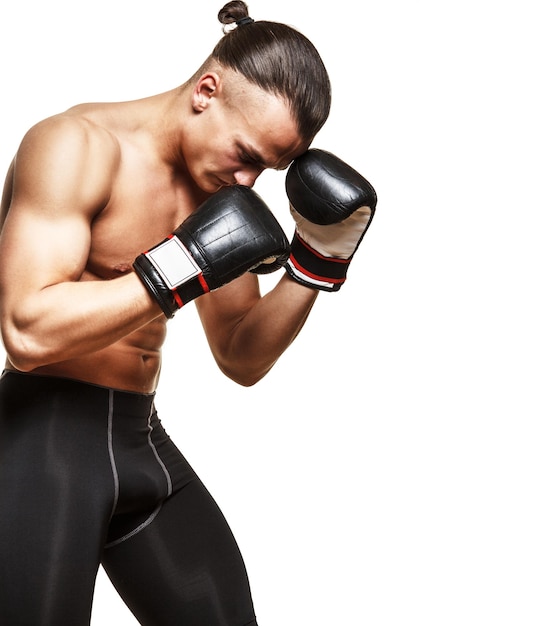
46,234
38,251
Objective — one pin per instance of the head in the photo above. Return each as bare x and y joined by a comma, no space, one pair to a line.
279,60
265,93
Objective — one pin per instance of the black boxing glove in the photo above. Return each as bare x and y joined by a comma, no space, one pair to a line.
231,233
332,205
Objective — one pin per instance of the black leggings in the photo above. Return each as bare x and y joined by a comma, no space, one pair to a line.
89,476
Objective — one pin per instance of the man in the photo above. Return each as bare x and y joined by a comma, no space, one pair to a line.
105,208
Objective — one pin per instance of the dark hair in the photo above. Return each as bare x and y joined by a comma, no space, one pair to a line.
280,60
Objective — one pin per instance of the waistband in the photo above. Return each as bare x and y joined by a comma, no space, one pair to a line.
30,385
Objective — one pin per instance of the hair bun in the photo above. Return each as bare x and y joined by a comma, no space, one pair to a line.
233,13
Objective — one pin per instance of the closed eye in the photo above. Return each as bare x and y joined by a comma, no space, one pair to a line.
248,159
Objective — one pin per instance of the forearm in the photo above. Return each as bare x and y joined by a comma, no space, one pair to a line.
70,319
261,336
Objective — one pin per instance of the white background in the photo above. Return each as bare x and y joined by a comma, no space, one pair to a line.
394,468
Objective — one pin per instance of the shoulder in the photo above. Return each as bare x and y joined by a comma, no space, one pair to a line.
73,136
68,157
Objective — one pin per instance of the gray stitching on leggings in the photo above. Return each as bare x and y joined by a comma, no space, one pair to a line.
153,515
111,453
163,466
136,530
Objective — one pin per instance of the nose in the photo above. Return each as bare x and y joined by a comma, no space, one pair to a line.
247,177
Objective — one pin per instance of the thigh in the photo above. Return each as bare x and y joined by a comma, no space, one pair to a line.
54,507
50,558
184,567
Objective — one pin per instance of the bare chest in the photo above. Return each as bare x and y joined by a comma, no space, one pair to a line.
143,209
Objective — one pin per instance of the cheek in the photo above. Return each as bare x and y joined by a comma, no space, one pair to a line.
226,162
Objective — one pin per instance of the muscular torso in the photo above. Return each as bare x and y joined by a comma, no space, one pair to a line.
148,200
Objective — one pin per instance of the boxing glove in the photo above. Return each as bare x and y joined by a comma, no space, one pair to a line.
229,234
332,205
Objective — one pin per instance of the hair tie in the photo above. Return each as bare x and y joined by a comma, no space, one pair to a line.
244,20
226,28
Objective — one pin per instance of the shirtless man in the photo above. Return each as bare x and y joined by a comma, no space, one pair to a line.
87,473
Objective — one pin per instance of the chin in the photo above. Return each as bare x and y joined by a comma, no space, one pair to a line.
211,184
207,187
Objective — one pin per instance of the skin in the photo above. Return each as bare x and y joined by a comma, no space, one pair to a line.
93,187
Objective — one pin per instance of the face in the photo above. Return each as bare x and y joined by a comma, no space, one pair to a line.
240,130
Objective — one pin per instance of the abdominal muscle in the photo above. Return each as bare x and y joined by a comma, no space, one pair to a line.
131,364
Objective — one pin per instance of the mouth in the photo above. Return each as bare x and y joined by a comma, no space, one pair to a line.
223,183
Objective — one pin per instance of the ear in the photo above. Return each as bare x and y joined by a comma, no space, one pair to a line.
207,87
